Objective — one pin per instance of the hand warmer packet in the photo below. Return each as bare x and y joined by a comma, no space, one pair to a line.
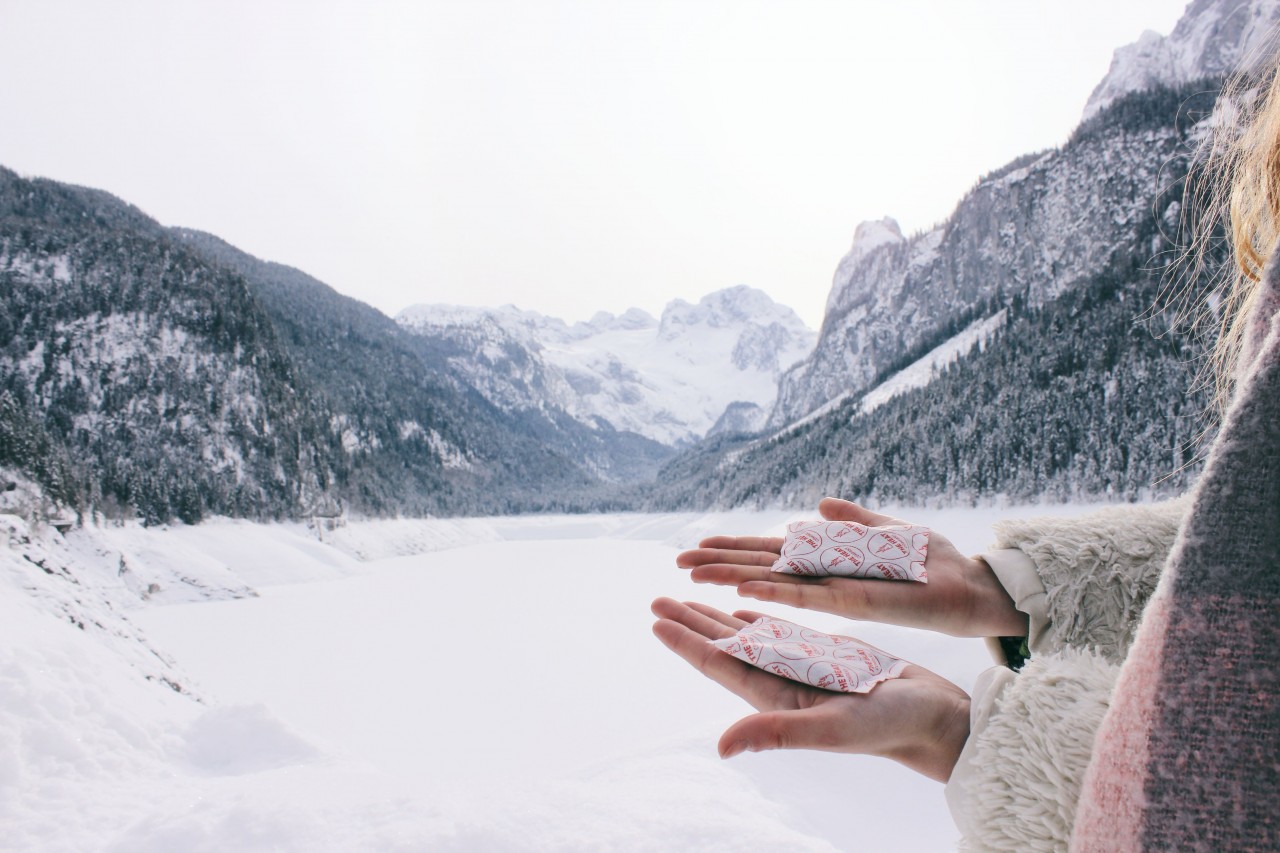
849,549
828,661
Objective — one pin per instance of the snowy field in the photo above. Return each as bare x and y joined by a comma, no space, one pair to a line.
485,684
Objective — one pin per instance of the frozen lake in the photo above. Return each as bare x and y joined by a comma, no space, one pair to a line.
501,692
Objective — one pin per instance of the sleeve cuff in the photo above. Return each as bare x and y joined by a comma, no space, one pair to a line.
959,791
1017,574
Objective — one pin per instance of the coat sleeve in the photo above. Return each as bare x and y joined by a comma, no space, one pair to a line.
1017,782
1084,581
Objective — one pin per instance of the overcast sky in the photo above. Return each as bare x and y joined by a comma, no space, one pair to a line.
567,156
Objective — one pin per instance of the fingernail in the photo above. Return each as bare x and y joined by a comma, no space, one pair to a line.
736,748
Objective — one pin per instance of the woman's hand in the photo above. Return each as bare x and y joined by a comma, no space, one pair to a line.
962,598
919,719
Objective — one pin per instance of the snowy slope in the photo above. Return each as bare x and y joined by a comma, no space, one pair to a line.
918,374
669,379
1213,38
921,372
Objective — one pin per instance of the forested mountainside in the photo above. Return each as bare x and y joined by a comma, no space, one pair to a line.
153,379
382,379
1041,226
1083,391
149,371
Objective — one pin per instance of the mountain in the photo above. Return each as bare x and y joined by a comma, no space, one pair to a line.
147,378
1018,350
671,380
1033,230
1212,39
1041,226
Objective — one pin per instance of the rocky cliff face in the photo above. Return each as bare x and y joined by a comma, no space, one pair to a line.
1033,230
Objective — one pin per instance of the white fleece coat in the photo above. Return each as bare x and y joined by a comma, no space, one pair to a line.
1083,583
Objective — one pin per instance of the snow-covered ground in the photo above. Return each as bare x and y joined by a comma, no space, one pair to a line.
484,684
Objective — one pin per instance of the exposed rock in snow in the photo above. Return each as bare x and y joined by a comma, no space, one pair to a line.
873,234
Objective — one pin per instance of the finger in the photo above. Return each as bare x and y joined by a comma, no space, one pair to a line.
878,601
754,685
822,596
731,556
744,543
723,618
749,616
808,728
709,627
837,509
669,608
728,575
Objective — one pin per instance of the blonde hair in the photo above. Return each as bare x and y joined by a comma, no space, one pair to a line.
1236,188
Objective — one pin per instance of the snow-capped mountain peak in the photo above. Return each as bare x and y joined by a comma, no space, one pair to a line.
874,233
725,308
670,380
1213,38
630,320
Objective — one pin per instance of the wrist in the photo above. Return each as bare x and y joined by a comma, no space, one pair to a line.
935,751
994,611
953,733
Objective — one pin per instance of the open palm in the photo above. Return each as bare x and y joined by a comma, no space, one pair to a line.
919,719
962,598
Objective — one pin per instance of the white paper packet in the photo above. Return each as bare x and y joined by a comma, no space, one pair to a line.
829,661
848,549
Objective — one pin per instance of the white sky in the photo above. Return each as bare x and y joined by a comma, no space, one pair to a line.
564,155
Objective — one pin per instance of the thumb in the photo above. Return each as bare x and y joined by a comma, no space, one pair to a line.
767,730
837,509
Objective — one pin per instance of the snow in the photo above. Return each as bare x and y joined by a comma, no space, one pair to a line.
472,684
873,234
52,268
410,429
925,248
922,371
449,454
827,407
672,390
